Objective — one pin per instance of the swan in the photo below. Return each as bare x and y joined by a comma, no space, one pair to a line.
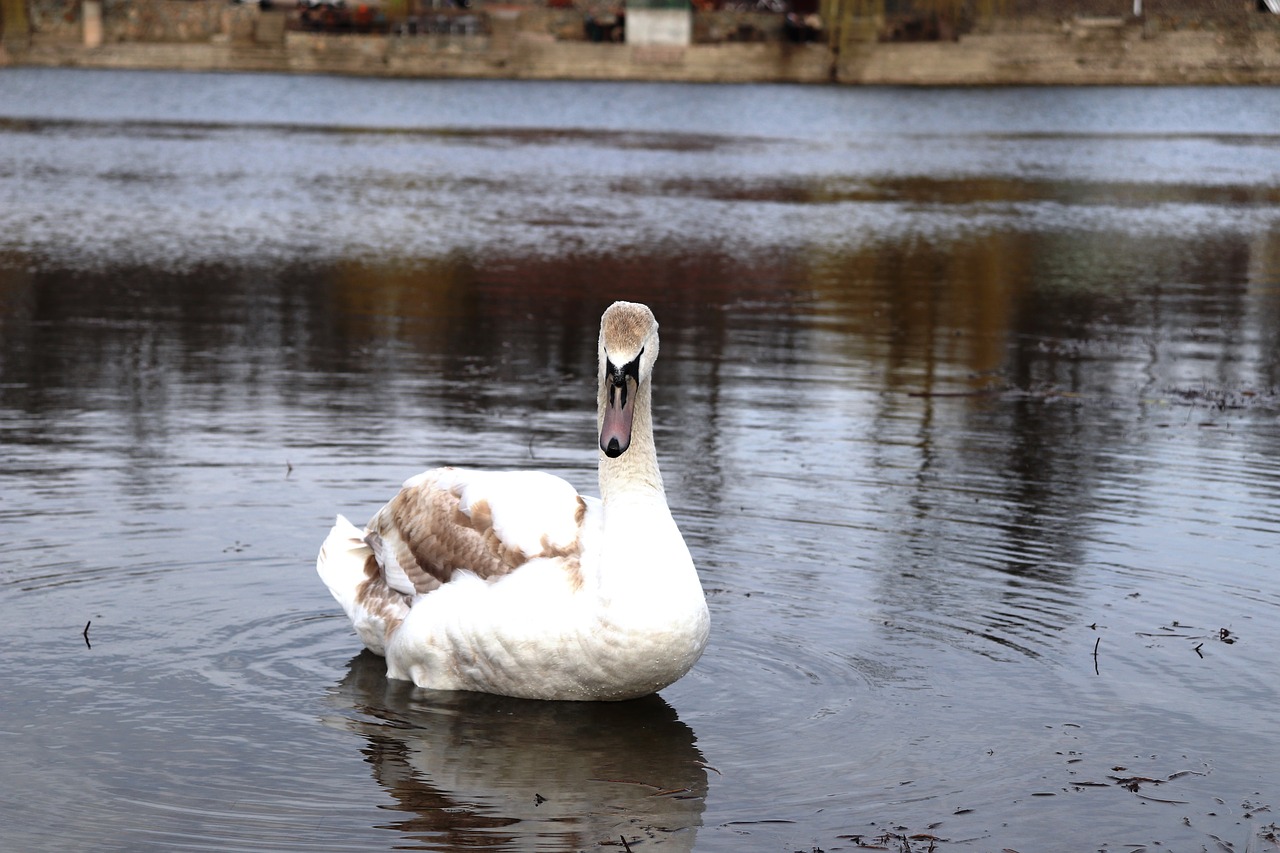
513,583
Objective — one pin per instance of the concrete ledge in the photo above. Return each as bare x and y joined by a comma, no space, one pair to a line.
1184,57
998,58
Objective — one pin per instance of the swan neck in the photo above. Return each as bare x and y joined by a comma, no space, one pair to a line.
635,471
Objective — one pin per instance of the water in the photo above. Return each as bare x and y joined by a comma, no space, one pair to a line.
967,407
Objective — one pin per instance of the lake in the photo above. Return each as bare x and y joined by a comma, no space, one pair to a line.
968,408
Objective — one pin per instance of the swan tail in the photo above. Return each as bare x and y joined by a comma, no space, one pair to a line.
349,568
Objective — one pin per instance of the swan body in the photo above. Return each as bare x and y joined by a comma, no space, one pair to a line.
513,583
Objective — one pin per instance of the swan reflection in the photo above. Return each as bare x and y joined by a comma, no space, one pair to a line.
477,771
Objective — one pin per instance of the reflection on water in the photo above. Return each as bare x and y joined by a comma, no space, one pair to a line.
487,772
975,450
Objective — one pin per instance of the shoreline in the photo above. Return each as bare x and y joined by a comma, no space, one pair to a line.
1080,52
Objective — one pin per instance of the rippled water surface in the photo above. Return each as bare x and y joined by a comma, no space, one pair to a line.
967,407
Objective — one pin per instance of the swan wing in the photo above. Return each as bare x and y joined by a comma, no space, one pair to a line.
487,523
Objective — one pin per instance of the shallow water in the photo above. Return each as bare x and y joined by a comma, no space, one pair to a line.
967,407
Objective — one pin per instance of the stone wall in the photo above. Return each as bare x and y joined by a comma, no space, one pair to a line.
946,20
729,25
177,20
1083,52
543,43
1184,9
55,18
168,21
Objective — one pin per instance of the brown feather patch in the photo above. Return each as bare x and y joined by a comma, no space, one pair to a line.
625,324
430,536
380,600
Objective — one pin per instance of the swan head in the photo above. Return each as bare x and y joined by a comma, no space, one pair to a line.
628,349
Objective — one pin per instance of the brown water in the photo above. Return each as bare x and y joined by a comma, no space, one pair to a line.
967,407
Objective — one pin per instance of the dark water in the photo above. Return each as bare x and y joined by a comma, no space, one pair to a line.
967,407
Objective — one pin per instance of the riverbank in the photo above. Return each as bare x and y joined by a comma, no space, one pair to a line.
1079,51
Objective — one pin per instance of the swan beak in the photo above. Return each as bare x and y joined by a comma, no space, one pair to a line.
615,432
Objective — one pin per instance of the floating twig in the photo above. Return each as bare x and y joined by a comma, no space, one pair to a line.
625,845
1133,782
629,782
669,791
1173,776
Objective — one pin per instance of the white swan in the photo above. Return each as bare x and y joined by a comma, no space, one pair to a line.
513,583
